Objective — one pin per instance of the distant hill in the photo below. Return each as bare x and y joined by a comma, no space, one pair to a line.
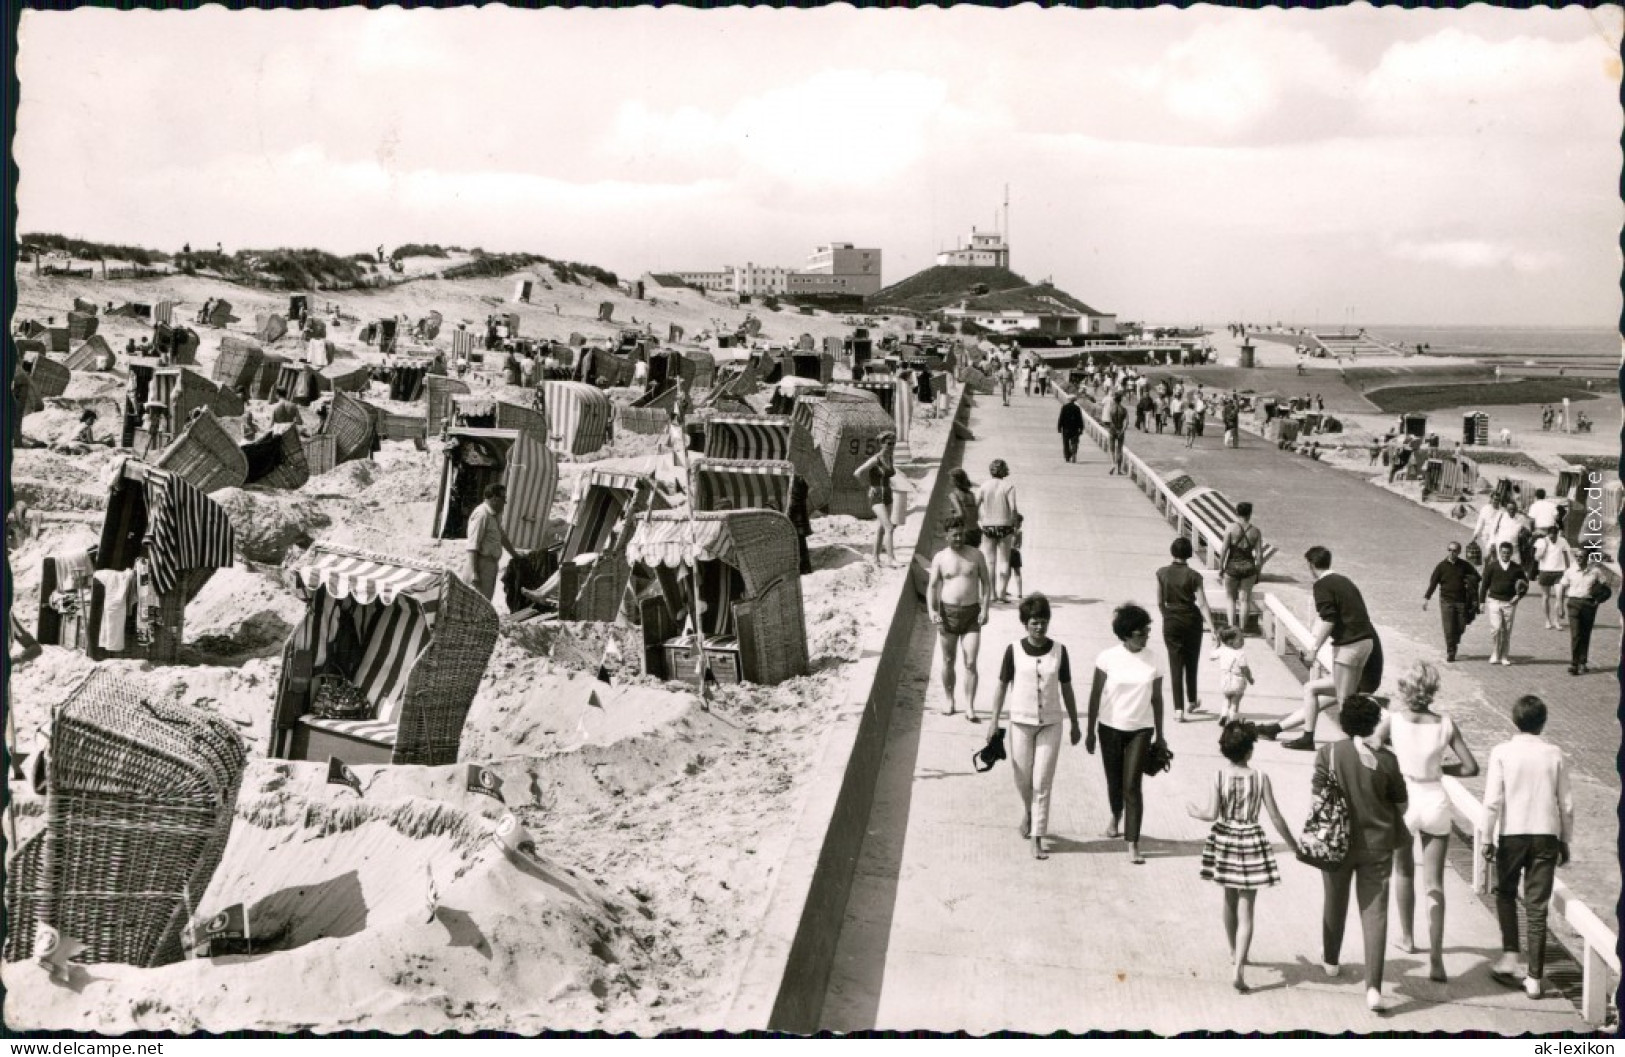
942,286
988,289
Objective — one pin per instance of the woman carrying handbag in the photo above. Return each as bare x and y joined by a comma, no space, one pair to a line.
1373,790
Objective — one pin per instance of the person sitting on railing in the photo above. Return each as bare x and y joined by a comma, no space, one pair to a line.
1528,793
1342,618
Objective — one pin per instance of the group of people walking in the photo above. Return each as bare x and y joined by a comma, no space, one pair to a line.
1387,769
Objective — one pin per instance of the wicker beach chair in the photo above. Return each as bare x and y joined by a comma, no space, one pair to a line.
139,802
265,380
349,423
277,459
647,421
320,454
578,417
845,430
206,456
426,640
753,628
237,364
85,356
49,377
438,391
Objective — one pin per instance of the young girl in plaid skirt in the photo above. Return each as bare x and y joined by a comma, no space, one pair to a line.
1236,855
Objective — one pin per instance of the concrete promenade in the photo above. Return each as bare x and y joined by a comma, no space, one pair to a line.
952,925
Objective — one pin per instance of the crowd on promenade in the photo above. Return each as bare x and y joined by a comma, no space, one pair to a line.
1377,790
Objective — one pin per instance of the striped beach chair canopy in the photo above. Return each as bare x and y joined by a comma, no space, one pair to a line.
747,436
602,497
738,484
1216,514
345,572
529,470
425,640
578,417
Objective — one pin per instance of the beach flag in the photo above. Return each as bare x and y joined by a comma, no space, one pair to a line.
52,950
230,924
339,773
432,895
485,781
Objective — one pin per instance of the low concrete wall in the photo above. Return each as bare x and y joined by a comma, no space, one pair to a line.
787,972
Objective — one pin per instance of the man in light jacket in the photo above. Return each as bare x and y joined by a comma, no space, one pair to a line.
1528,792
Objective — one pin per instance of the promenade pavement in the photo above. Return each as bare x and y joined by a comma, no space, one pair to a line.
953,926
1389,545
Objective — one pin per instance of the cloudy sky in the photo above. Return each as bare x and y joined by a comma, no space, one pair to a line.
1356,164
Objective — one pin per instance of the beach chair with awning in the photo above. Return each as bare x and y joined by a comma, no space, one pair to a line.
593,570
140,794
747,436
578,417
751,624
475,458
739,484
482,411
405,637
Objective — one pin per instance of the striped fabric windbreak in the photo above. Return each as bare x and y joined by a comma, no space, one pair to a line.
747,437
464,342
733,484
185,530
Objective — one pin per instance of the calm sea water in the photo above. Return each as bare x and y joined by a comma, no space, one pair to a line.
1590,346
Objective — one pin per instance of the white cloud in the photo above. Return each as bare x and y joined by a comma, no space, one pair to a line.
1475,255
1459,82
1232,76
835,129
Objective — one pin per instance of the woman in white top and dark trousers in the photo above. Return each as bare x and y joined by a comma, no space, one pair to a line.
1036,680
1125,702
1419,737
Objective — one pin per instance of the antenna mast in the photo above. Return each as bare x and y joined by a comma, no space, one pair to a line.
1007,225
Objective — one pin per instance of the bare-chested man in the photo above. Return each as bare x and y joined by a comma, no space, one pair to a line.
958,597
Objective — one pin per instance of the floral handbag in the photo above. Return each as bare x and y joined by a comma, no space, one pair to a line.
1325,841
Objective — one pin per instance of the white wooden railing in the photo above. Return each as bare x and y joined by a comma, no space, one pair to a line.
1287,634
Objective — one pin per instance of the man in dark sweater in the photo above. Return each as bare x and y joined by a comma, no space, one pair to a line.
1501,588
1342,617
1070,427
1457,583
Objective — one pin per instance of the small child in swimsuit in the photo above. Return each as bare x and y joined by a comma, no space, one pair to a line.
1234,673
1015,558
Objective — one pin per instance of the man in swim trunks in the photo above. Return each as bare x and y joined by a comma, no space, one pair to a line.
958,597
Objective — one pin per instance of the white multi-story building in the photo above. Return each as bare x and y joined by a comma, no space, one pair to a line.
759,279
986,250
835,268
720,281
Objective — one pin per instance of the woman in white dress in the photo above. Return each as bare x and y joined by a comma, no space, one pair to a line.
1419,737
